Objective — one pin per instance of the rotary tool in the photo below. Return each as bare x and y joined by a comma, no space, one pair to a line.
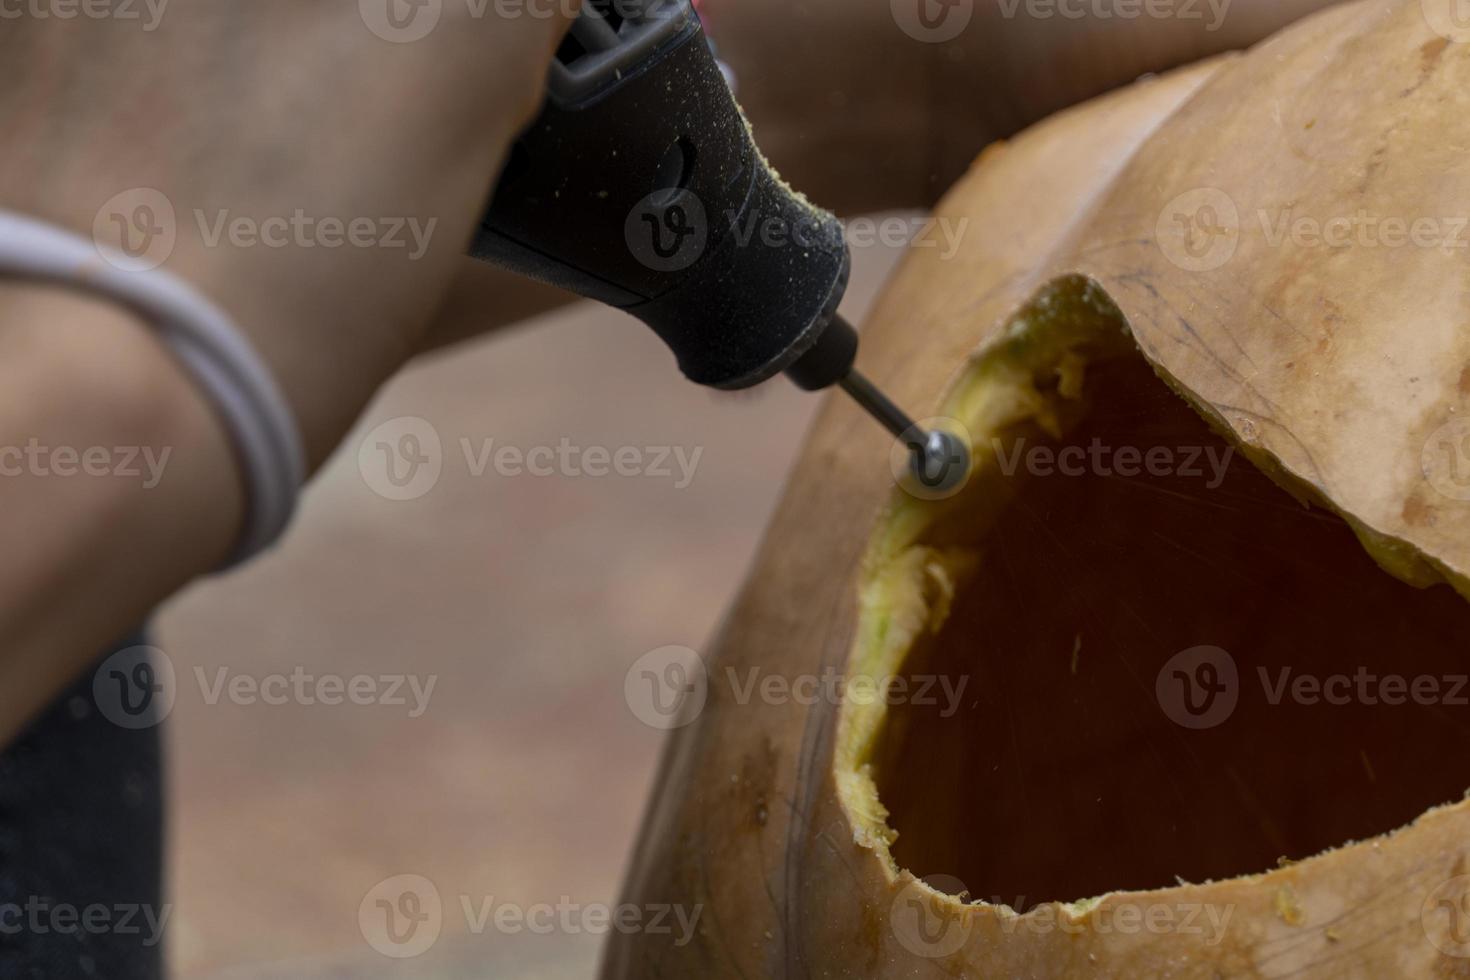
639,185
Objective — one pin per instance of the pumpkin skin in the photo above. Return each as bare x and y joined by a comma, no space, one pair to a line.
1331,369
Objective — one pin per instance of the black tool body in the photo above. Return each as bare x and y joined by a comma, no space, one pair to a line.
639,186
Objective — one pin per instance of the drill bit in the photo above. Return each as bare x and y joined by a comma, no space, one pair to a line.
940,460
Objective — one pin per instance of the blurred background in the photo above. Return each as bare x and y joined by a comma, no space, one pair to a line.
523,599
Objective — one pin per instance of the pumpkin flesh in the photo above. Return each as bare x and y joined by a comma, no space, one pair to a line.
1054,592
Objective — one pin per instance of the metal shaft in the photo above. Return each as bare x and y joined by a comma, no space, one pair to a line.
882,408
940,460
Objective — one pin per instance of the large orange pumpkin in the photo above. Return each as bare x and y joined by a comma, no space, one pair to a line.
1194,636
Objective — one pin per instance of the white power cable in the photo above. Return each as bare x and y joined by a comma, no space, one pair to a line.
209,346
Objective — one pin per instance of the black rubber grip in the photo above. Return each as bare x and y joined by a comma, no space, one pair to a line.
651,196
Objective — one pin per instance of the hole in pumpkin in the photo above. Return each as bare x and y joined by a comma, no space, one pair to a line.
1049,762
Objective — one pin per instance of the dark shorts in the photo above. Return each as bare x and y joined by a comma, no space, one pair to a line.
81,842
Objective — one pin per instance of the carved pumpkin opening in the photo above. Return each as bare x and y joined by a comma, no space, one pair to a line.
1139,660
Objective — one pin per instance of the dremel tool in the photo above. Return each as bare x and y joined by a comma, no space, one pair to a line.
639,185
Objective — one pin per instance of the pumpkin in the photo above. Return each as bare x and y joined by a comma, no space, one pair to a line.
1173,686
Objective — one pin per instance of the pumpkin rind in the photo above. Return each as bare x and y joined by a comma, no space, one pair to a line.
1333,368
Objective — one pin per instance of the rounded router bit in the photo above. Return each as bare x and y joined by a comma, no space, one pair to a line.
939,460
